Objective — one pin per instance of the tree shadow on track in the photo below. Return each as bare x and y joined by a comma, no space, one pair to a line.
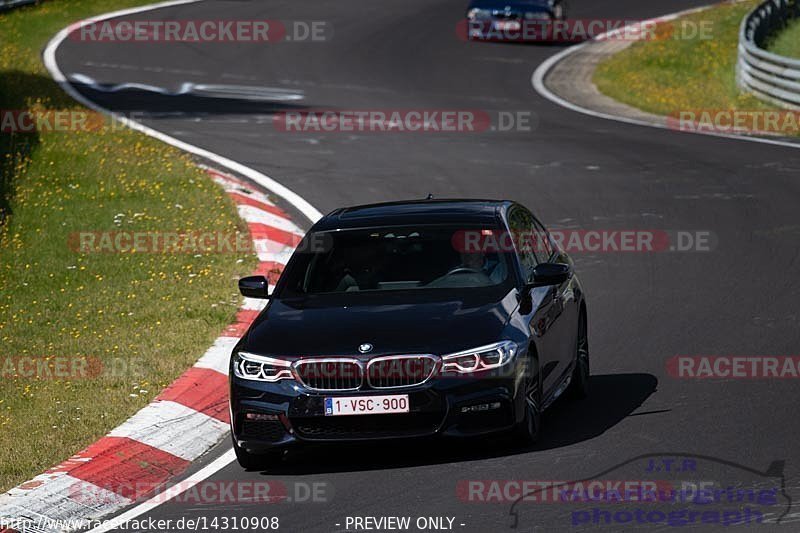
143,102
613,397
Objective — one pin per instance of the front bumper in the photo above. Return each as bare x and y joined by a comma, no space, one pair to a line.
515,30
285,413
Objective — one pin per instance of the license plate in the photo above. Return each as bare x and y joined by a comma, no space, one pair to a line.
366,405
507,25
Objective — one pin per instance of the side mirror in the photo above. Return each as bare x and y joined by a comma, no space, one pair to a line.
254,287
547,274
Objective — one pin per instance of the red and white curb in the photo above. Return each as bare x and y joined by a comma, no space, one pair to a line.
136,450
185,421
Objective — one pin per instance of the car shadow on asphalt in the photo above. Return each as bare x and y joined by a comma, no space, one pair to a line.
613,397
554,45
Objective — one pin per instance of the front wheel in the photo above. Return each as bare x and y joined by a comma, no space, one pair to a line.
579,387
528,431
560,11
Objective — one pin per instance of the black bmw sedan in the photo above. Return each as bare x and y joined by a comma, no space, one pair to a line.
514,20
433,317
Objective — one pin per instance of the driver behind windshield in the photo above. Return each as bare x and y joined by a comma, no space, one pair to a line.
474,268
394,259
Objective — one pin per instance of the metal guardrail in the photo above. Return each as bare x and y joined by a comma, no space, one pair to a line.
10,4
769,76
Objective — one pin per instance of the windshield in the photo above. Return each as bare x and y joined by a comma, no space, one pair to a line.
392,259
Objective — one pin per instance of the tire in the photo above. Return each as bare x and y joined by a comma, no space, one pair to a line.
562,11
528,431
579,387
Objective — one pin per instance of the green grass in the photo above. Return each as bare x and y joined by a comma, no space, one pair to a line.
787,42
667,75
153,314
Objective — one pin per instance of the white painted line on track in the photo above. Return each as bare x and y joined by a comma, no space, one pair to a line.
265,181
537,80
218,464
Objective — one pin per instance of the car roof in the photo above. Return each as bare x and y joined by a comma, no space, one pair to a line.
455,211
513,4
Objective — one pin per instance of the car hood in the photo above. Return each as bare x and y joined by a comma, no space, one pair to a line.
312,327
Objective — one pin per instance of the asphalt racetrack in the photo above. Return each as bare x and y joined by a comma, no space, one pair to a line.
739,297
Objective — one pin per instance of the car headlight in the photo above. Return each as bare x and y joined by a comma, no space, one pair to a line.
537,15
476,13
261,368
481,358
